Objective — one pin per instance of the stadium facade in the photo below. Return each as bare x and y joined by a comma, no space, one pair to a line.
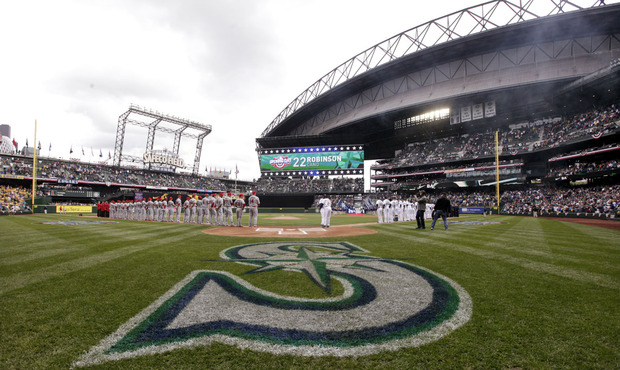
485,68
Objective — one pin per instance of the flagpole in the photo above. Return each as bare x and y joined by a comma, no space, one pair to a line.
34,167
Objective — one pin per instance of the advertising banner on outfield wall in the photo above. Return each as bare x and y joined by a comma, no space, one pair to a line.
75,209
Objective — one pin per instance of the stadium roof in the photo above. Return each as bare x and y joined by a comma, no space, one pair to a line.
420,45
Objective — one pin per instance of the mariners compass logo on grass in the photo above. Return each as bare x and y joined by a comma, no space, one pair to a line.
379,304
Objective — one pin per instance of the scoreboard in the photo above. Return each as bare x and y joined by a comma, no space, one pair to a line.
313,160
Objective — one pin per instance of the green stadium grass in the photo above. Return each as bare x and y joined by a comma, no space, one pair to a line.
545,293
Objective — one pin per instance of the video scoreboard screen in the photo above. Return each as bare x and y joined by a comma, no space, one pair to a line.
313,161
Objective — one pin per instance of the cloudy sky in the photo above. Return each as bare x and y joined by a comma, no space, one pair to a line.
75,66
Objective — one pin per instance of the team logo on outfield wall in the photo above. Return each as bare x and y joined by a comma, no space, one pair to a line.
369,305
280,162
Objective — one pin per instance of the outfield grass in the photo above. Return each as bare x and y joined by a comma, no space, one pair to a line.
545,293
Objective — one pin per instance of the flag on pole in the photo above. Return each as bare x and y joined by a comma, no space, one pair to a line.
100,153
83,151
39,147
236,170
70,150
109,155
15,144
50,149
26,142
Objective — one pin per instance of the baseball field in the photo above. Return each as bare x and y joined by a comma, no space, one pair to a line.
494,292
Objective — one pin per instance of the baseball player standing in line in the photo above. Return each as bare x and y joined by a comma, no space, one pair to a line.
379,210
150,207
186,210
177,205
240,205
219,203
199,210
253,203
228,216
205,210
212,210
326,211
170,216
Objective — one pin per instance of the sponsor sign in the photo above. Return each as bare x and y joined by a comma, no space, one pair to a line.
166,159
472,210
75,209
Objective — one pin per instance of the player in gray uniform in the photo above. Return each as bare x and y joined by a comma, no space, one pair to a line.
253,203
170,213
192,206
186,210
227,203
240,205
198,209
212,210
219,206
178,204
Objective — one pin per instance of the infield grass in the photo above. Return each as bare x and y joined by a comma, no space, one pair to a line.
545,293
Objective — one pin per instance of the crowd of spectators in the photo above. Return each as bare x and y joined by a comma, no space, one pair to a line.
12,199
96,173
518,138
599,200
584,168
310,185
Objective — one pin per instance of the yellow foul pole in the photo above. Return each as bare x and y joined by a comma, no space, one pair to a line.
497,168
34,165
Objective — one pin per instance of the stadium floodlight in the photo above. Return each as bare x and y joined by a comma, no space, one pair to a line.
151,120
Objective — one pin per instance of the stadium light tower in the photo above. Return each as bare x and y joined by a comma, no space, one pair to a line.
152,120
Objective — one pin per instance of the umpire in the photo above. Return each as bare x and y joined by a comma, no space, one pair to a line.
442,208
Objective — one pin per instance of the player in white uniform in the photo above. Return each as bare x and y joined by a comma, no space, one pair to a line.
240,205
228,216
325,206
379,206
253,203
386,210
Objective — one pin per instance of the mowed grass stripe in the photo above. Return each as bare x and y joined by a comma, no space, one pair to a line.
93,245
530,244
603,247
22,279
456,244
83,239
34,235
30,256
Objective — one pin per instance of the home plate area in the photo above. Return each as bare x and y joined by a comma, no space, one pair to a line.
290,231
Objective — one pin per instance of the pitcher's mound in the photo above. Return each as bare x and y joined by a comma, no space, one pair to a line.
290,231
